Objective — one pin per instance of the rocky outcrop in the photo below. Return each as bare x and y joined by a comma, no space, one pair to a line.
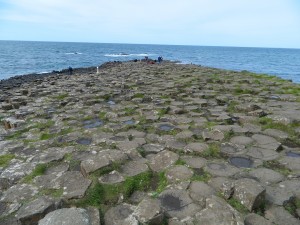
156,144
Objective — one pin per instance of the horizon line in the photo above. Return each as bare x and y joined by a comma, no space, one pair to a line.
191,45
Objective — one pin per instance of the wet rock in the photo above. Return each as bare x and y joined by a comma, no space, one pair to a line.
35,210
217,211
249,193
149,212
121,215
178,173
69,216
163,160
278,215
177,203
254,219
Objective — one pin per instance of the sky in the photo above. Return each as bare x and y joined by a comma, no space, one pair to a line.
248,23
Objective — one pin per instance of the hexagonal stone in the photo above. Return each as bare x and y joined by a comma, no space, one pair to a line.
200,191
215,135
90,165
194,162
178,173
241,140
266,142
221,169
19,192
223,185
195,147
133,168
263,154
184,135
163,160
17,170
249,193
276,134
283,192
254,219
114,177
74,184
279,216
177,203
217,211
153,148
266,176
230,149
149,211
70,216
292,163
32,212
121,215
7,208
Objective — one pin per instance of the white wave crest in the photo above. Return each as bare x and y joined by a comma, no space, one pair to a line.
73,53
128,55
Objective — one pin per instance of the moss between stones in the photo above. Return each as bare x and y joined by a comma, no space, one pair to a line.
5,159
39,170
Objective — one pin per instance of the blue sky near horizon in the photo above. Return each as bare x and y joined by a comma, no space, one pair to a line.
256,23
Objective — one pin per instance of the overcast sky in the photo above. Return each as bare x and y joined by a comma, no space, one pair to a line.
252,23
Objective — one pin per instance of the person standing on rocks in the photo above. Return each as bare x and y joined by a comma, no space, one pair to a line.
70,70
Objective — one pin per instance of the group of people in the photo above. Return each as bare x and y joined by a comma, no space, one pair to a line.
159,60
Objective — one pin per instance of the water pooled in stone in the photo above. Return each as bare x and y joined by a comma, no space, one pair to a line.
293,154
241,162
84,141
92,123
166,127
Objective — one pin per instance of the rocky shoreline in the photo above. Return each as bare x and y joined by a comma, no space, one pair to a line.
141,143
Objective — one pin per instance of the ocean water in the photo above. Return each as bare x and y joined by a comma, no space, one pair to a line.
19,57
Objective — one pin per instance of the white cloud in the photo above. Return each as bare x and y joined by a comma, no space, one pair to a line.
168,19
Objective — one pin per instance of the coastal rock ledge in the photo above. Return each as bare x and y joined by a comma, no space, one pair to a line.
160,144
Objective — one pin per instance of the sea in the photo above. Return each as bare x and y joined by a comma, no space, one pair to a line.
26,57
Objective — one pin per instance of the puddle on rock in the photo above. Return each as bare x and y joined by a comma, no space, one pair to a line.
129,122
84,141
293,154
92,123
166,127
239,161
170,202
111,102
